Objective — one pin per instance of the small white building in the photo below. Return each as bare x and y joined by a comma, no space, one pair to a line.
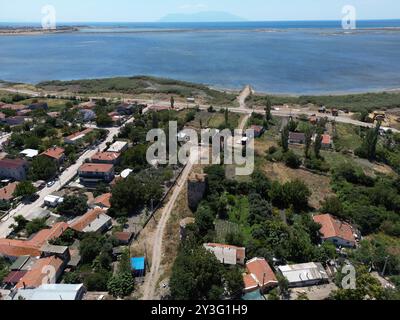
118,147
53,201
125,174
227,254
29,153
303,275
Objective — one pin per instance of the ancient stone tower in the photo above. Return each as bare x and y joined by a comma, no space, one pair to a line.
197,186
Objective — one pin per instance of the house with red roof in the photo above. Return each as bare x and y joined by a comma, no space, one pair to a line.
106,157
44,271
12,248
259,276
326,141
7,192
94,220
55,153
13,169
76,137
94,173
340,233
103,201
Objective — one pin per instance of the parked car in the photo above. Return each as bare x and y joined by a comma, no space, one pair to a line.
50,184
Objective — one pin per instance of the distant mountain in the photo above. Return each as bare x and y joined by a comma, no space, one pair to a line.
204,16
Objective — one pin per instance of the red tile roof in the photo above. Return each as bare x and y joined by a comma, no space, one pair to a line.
6,193
81,223
55,153
106,156
123,236
257,129
249,282
332,228
326,139
96,167
16,107
104,200
13,277
12,163
158,108
49,234
261,271
77,134
41,273
17,248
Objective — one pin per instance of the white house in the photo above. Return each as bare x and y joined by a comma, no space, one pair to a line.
303,275
226,254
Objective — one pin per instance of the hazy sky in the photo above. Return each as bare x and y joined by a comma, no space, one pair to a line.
152,10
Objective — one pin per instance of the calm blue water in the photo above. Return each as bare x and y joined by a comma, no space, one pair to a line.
276,57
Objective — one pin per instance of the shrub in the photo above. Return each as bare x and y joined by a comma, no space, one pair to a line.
292,160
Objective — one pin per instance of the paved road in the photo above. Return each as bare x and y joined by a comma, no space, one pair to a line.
65,177
284,112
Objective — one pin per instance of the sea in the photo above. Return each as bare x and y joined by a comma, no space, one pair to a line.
296,57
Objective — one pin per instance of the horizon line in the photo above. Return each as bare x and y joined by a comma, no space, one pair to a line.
157,21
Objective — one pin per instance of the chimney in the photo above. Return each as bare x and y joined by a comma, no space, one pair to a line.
23,283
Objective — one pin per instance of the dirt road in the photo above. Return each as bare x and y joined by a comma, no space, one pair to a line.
153,276
157,255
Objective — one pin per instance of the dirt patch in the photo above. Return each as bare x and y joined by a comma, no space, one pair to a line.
319,185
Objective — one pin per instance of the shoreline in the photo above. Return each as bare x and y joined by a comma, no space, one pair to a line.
4,84
119,29
36,31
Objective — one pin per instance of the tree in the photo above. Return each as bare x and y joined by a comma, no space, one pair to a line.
24,189
154,120
318,145
35,225
121,284
260,209
42,168
73,205
20,224
292,160
90,247
292,125
333,206
308,140
368,147
285,139
268,108
103,119
96,281
134,192
294,193
196,275
226,116
367,288
204,220
283,285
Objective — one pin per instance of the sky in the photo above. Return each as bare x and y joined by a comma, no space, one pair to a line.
153,10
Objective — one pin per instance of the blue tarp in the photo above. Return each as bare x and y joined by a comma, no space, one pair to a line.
138,264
